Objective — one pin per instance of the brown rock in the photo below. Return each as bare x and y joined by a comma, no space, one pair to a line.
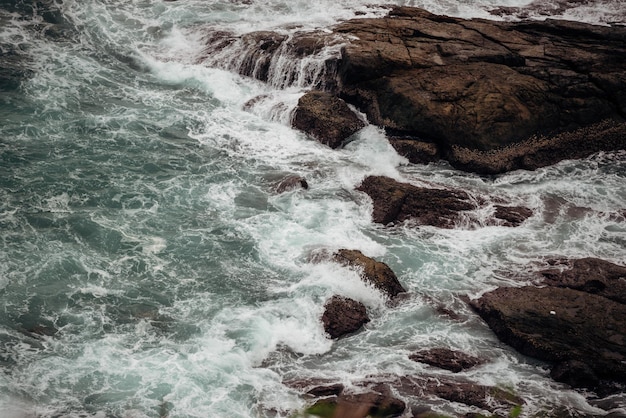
512,215
416,151
326,118
444,358
374,272
343,316
398,202
589,275
561,325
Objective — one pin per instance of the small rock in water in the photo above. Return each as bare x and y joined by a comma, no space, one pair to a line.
343,316
291,183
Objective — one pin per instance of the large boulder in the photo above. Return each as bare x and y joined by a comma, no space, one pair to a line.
373,272
377,403
582,333
479,84
343,316
326,118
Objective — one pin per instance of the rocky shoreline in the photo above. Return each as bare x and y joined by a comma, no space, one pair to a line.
488,97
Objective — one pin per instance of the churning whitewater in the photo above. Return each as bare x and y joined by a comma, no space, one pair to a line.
149,268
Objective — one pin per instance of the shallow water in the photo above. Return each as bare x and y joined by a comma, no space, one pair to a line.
139,224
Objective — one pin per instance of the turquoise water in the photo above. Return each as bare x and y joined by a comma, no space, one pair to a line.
148,268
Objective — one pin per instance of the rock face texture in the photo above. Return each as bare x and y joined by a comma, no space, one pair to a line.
584,334
478,84
374,272
326,118
343,316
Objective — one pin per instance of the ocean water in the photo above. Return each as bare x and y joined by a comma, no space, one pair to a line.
148,268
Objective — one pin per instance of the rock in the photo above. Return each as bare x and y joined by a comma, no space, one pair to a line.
541,151
512,215
374,272
589,275
397,202
561,325
343,316
379,403
444,358
291,183
323,391
326,118
416,151
478,84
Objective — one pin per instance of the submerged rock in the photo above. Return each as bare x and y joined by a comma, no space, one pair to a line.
326,118
291,183
343,316
374,272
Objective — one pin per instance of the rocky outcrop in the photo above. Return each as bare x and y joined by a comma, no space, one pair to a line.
326,118
487,96
482,85
396,202
584,334
343,316
444,358
376,273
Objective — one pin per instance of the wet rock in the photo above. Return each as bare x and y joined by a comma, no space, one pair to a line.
541,151
343,316
323,391
377,403
397,202
481,85
291,183
326,118
374,272
589,275
444,358
512,215
416,151
561,325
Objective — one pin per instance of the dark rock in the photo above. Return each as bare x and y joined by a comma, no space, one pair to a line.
541,151
416,151
589,275
512,215
343,316
374,272
323,391
291,183
380,403
326,118
561,325
478,84
444,358
398,202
